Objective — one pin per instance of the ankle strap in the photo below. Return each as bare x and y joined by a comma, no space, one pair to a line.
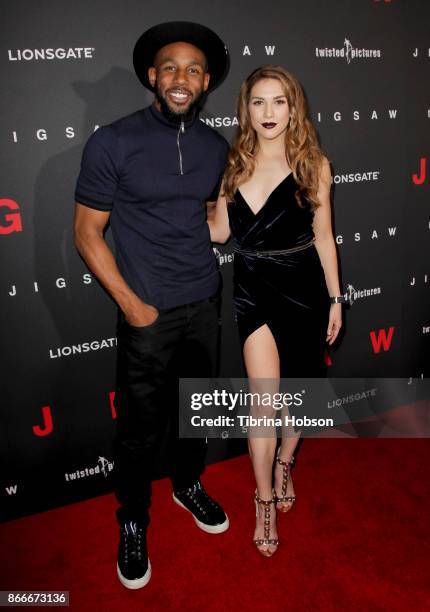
285,463
265,502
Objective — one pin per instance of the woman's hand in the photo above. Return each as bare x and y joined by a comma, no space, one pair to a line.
217,218
334,322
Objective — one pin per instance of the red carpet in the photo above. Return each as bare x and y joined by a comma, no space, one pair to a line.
357,539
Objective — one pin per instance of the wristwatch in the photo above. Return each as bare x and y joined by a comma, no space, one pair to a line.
338,299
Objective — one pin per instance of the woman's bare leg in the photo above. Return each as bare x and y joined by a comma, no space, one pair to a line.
262,367
286,452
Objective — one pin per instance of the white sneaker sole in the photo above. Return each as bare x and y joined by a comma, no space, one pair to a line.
138,583
207,528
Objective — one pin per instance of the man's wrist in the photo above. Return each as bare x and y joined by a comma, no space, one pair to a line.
130,304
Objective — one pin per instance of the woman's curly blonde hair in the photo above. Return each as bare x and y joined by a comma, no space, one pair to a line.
302,149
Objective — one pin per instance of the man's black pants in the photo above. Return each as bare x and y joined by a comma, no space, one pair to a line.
181,342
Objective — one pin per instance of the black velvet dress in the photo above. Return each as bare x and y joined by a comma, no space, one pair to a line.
278,279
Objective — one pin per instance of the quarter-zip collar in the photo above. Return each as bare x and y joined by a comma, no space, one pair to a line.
158,115
180,129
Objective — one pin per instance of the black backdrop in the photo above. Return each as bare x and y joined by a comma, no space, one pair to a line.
66,69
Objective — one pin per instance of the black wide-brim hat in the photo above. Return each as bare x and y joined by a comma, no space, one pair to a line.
195,34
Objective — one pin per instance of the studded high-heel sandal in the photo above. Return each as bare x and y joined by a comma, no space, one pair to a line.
266,541
285,499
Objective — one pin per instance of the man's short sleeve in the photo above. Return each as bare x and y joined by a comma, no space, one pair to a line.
99,175
225,147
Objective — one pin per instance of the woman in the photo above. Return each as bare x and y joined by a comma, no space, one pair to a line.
275,201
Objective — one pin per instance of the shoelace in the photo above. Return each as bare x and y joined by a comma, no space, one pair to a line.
133,540
198,490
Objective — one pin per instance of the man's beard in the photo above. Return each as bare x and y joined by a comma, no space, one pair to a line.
177,118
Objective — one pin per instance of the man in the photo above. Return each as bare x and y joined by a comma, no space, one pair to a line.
150,175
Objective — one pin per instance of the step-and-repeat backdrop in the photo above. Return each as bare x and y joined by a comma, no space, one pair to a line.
67,69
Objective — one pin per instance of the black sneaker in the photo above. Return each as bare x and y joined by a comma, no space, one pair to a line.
133,567
207,514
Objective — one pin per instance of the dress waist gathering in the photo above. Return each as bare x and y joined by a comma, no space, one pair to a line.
255,253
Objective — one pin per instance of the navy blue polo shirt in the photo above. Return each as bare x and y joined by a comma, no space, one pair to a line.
155,177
